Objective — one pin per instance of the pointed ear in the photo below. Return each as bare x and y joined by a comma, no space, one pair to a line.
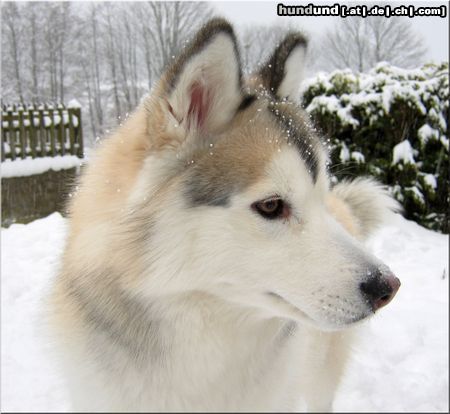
201,91
283,72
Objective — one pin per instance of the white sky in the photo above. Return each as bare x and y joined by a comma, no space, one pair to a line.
433,29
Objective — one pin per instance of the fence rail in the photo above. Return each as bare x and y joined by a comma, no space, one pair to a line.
40,130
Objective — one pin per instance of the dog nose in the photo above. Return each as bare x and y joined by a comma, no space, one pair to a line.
380,289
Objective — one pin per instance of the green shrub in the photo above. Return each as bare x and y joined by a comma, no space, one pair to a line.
390,123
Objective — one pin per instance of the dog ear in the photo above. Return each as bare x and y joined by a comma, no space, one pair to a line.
283,72
201,90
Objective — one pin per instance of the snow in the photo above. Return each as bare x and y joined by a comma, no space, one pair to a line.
47,121
332,104
65,118
400,362
403,152
73,103
32,166
357,156
426,133
416,194
344,154
430,180
321,80
29,258
346,95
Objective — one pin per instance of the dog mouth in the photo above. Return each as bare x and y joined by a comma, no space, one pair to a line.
293,310
296,313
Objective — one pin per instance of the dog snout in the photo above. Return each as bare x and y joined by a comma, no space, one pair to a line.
380,288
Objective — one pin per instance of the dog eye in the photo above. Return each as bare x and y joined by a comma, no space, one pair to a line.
271,208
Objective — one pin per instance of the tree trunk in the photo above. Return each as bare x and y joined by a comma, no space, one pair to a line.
34,63
112,63
97,91
15,47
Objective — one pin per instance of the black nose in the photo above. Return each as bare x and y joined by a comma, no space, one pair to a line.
380,289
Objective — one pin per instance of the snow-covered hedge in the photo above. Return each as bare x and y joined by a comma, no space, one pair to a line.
390,123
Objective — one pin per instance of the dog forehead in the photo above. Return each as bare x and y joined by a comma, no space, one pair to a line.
298,132
243,154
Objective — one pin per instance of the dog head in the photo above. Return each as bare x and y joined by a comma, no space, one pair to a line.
235,185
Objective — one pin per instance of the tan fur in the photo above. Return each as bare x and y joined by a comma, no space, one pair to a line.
248,144
98,209
343,215
100,204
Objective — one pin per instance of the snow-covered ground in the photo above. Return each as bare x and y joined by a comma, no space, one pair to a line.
400,363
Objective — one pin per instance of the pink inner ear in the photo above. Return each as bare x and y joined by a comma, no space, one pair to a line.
199,105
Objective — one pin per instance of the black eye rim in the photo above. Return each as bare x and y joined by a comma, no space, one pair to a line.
281,209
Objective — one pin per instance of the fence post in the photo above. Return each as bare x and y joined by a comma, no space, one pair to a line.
12,134
61,131
42,131
22,133
71,131
21,136
51,129
32,131
80,152
3,136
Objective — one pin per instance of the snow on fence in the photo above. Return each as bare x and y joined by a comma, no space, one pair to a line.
41,130
42,151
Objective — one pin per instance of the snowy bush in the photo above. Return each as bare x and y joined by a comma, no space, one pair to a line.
390,123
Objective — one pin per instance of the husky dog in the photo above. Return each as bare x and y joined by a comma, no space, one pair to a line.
209,265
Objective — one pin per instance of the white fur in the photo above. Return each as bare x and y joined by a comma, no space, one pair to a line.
216,69
294,70
331,262
230,344
240,313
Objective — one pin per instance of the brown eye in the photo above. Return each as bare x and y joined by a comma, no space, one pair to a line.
271,208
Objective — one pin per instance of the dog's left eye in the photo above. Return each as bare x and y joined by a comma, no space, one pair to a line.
271,208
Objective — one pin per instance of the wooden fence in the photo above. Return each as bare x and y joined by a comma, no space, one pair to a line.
40,130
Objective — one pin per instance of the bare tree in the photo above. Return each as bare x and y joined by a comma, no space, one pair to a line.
50,43
34,53
359,44
171,25
148,32
64,12
111,55
89,70
257,42
57,24
12,33
126,53
96,72
395,42
104,54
